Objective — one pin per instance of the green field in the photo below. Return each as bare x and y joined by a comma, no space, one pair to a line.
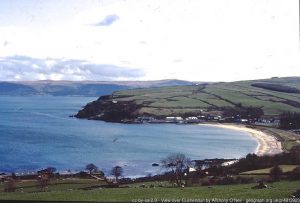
210,97
284,168
72,190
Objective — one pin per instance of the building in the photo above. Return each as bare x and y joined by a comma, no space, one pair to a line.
193,120
177,119
144,119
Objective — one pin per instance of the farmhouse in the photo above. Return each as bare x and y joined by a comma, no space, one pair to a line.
174,119
192,120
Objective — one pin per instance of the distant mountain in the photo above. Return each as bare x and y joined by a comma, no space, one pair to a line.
79,88
8,88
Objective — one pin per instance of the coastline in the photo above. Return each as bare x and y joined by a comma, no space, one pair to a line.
267,144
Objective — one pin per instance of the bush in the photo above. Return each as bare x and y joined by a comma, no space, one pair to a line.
275,173
289,120
206,183
244,180
295,174
254,162
228,180
243,111
125,181
43,182
13,176
82,174
9,185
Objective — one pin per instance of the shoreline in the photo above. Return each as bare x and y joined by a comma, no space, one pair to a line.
267,144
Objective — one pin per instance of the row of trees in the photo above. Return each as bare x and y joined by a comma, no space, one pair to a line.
253,162
276,87
290,120
276,173
249,112
46,175
176,165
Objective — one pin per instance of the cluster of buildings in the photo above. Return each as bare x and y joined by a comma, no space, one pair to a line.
272,122
169,119
177,119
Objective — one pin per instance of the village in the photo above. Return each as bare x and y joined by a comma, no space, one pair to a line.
268,122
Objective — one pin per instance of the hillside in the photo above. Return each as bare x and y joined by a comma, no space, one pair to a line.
272,96
80,88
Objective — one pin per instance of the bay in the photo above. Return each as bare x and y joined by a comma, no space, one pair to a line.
37,132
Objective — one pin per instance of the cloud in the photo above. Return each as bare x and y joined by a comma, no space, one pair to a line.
108,20
27,68
5,43
207,36
177,60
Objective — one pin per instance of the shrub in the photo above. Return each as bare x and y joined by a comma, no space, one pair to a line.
275,173
228,180
244,180
43,181
290,120
9,185
82,174
13,176
295,174
206,183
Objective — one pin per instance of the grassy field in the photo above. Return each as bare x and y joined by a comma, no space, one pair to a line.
191,98
72,190
284,168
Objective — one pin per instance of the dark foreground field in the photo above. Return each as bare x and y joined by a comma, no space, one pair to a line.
82,190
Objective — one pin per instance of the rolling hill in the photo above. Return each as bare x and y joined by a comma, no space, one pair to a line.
273,96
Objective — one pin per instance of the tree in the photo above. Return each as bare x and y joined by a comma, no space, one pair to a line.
117,171
43,181
48,171
295,174
51,170
243,111
177,163
289,120
275,173
14,176
91,168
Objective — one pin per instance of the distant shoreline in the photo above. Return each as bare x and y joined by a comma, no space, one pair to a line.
267,144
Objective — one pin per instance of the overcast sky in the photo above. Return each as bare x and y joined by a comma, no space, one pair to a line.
199,40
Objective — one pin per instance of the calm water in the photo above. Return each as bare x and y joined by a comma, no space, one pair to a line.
37,132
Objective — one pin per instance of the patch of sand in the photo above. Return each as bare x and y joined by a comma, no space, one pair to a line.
267,144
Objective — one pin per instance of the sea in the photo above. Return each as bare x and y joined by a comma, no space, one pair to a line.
37,132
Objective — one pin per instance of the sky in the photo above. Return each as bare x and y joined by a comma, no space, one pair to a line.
105,40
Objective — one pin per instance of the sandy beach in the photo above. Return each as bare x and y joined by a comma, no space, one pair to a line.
267,144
